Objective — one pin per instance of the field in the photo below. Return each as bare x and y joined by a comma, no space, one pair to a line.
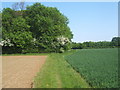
19,71
99,67
84,68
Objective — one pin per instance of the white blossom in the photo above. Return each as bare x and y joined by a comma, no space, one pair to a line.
6,42
34,39
63,40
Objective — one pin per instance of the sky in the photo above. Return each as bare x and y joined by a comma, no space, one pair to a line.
88,21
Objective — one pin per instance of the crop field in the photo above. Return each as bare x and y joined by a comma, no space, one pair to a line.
99,67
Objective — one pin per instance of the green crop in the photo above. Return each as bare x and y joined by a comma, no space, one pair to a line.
99,67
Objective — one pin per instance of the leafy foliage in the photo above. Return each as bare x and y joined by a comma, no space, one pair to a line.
36,28
115,42
47,24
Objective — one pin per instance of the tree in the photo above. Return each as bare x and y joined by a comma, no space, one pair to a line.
41,27
100,44
47,24
0,27
22,5
77,45
18,6
18,35
115,41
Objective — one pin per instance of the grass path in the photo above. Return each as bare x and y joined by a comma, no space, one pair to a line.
57,73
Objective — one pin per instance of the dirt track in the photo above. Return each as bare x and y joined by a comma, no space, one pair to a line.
19,71
0,72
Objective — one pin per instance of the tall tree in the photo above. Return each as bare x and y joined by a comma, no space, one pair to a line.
115,41
47,24
44,28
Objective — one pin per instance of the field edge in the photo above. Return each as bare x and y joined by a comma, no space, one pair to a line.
57,73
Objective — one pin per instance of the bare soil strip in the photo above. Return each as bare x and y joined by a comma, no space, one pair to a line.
19,71
0,72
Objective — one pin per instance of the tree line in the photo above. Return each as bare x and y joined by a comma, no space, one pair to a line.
37,28
115,42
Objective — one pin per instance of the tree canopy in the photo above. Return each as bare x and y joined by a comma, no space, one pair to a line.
37,28
115,42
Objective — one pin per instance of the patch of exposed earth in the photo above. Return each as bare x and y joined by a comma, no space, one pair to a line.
19,71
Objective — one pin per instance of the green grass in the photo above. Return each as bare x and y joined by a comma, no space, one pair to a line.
57,73
99,67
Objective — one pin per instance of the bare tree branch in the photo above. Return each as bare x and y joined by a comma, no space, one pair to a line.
22,5
19,5
15,6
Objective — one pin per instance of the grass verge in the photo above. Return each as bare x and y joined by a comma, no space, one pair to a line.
57,73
